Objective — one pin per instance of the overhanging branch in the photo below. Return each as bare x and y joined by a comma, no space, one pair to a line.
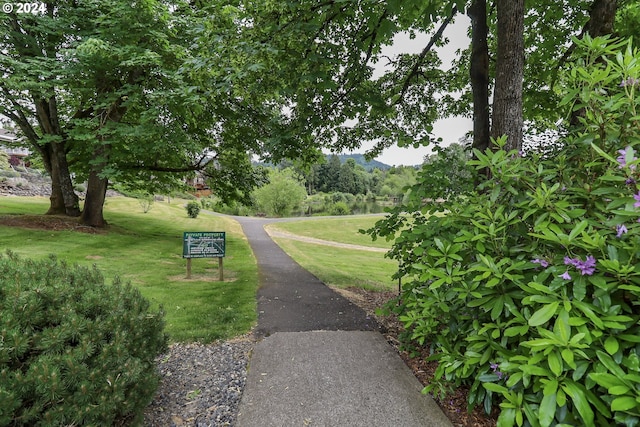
415,70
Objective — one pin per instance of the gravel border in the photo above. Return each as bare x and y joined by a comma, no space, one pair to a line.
201,385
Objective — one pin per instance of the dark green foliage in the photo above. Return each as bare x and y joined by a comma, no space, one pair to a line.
193,209
527,290
447,173
73,350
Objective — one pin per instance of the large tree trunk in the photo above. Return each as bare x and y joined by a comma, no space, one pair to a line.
601,22
56,200
602,18
479,73
63,199
93,212
507,101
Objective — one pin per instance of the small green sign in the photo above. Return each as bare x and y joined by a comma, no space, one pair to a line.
203,244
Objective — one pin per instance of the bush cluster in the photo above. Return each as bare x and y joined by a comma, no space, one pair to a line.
528,289
73,350
193,209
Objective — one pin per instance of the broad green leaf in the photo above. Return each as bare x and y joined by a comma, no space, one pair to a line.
602,153
611,345
604,379
624,403
550,388
548,409
579,399
619,390
496,388
544,314
578,229
589,313
568,357
513,331
579,288
507,418
611,365
562,328
555,363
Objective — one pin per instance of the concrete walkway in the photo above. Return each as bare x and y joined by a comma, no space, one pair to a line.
322,361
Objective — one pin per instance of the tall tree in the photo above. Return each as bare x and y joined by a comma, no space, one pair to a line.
479,74
322,54
117,91
507,115
29,45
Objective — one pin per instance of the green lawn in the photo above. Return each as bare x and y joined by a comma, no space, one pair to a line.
147,250
338,266
343,229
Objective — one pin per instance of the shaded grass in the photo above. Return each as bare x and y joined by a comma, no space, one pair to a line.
147,250
343,229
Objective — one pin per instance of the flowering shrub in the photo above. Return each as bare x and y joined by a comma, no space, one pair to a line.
528,290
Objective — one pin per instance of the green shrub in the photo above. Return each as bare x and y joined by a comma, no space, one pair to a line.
528,290
146,201
9,173
339,208
193,209
73,350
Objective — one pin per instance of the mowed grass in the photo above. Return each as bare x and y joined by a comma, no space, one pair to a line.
336,266
343,229
146,249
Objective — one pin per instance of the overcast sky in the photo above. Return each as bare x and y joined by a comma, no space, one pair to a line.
450,130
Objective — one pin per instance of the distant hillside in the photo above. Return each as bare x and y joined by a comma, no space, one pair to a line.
360,160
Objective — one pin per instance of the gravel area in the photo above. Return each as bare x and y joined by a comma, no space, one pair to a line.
201,384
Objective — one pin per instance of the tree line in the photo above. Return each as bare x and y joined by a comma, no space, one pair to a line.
338,187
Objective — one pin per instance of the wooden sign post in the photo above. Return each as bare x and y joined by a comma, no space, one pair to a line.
204,244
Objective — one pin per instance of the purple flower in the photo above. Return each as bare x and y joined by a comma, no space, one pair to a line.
622,158
542,262
629,82
637,198
630,181
566,275
586,267
621,229
494,368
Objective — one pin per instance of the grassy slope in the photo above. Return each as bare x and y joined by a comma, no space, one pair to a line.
337,266
343,229
147,250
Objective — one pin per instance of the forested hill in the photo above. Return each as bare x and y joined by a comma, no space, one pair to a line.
360,160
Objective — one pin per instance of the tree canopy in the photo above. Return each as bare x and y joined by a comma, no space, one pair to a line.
147,92
116,92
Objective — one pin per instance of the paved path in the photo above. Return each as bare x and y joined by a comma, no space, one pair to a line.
291,299
321,361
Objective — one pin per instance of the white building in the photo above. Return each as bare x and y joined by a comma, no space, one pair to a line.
7,141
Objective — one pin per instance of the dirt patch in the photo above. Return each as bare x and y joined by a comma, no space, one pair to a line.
93,257
199,278
48,223
454,405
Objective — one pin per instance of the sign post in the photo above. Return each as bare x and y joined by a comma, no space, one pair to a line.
204,244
